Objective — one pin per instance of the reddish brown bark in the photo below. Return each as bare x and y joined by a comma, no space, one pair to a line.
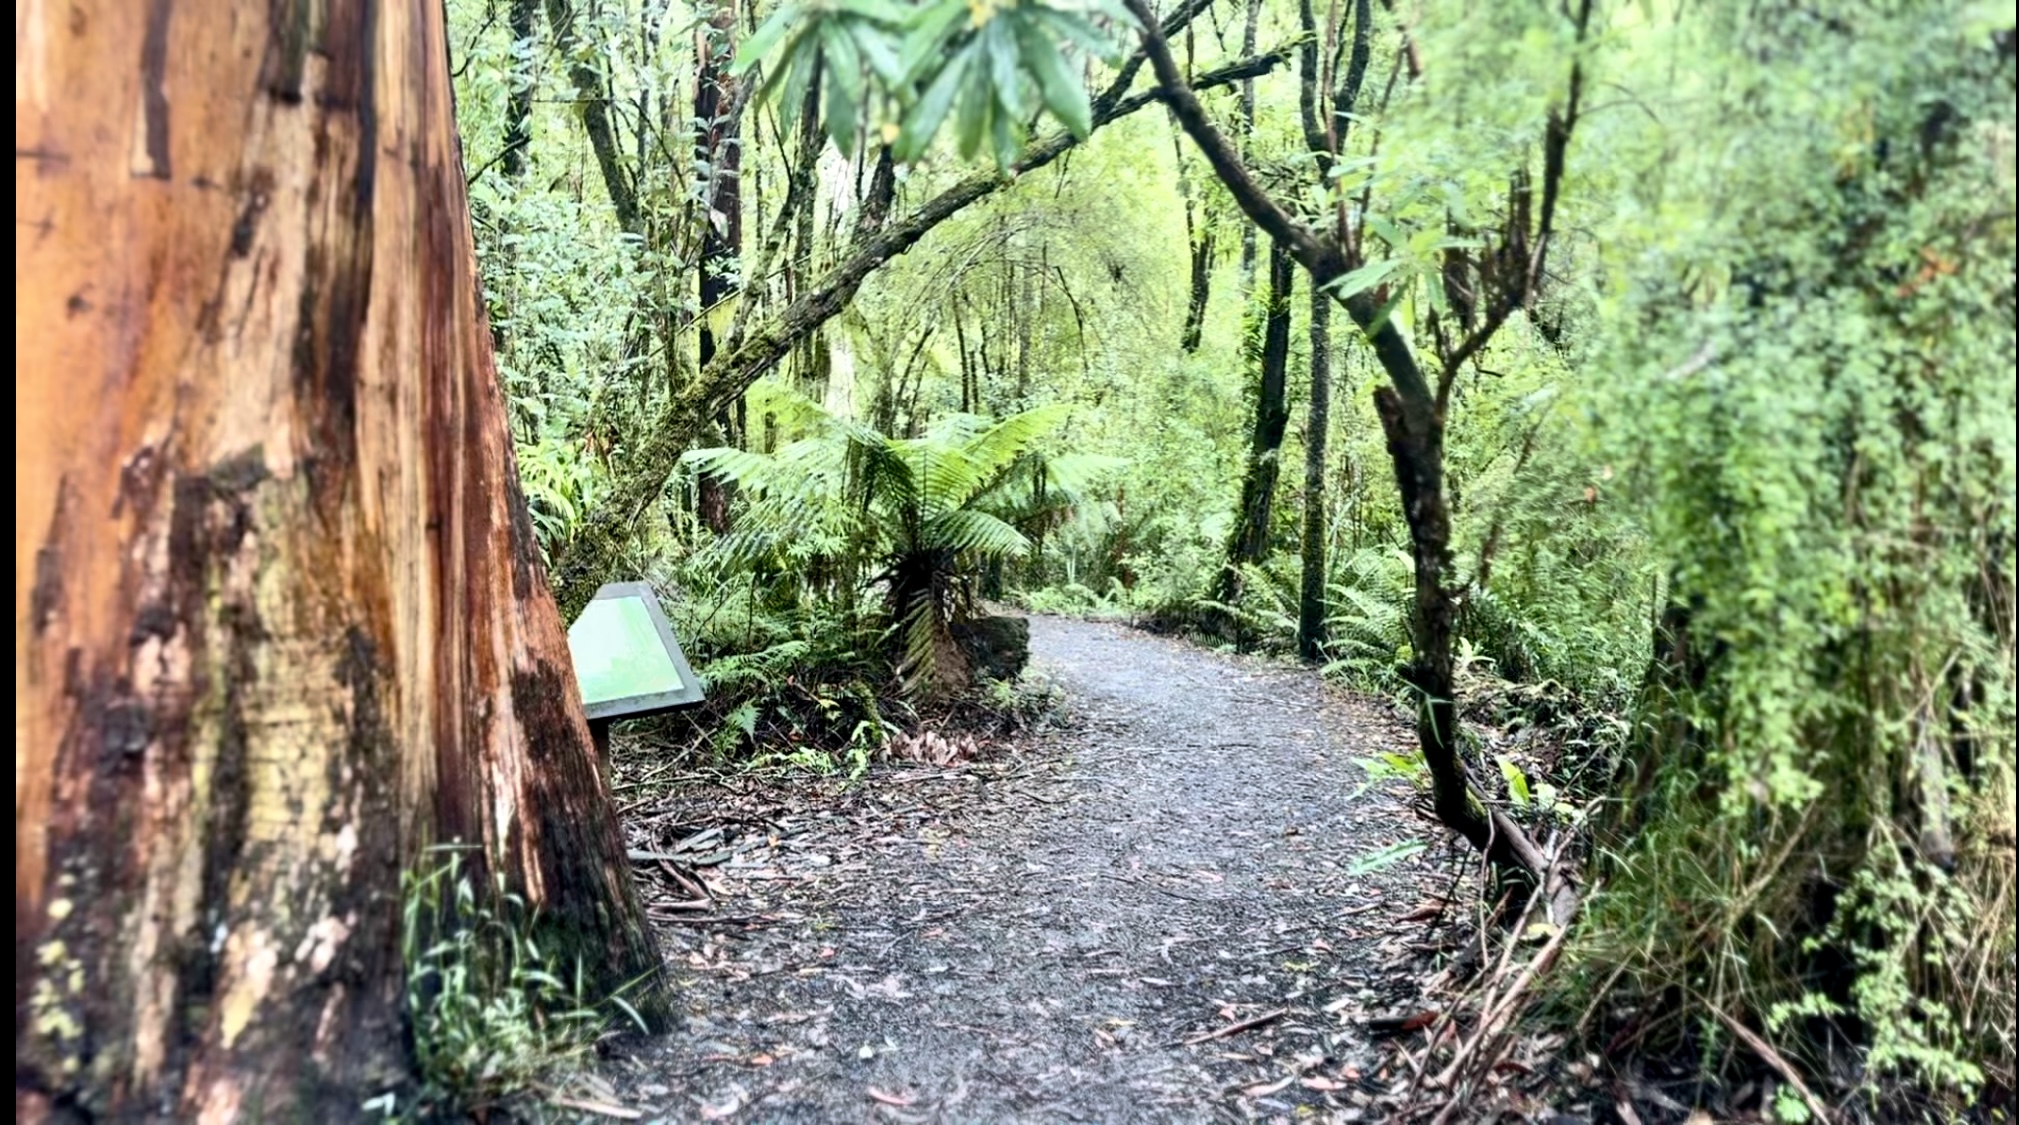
280,621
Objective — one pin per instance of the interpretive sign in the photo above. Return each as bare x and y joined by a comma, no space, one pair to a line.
625,656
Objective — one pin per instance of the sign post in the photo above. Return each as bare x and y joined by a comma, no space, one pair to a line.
627,660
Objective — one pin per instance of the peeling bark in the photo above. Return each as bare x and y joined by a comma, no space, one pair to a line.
280,618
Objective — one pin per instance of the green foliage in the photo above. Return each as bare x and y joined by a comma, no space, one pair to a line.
1387,856
1369,624
493,1010
986,65
1811,398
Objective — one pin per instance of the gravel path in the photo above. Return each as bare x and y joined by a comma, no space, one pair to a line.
1051,934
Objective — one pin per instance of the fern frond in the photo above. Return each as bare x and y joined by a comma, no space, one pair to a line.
979,533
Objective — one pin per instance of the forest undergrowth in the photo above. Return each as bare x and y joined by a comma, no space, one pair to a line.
1623,392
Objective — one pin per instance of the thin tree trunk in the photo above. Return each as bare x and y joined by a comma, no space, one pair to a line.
1412,411
1311,600
719,150
1199,244
1201,289
594,107
1249,542
1249,32
525,24
280,617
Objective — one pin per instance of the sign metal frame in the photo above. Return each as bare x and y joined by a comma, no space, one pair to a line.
690,691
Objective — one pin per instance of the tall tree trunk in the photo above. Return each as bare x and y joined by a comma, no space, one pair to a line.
1201,288
719,151
1249,32
1311,600
1249,542
525,24
593,104
1199,244
280,620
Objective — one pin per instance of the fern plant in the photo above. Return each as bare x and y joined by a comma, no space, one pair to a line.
916,518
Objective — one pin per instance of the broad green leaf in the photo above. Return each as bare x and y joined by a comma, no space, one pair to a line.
878,11
1387,230
930,28
930,110
1003,130
998,43
1517,782
769,35
1064,95
971,119
1074,27
796,66
1366,277
880,49
844,71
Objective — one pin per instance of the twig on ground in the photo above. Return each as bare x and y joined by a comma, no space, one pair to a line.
1235,1028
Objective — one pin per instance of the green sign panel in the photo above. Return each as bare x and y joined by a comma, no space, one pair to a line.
626,658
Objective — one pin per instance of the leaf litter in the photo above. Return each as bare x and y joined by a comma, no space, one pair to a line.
1149,911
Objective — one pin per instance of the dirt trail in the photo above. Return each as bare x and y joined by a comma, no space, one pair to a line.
1035,937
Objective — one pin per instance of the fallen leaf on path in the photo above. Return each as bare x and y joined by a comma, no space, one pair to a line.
1322,1084
762,1059
888,1098
1263,1090
725,1108
601,1109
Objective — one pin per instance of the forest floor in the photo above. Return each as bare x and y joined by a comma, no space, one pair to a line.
1146,911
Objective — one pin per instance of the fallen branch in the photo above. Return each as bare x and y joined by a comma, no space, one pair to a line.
1773,1058
1235,1028
1499,1014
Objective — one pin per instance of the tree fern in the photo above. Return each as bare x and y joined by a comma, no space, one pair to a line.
917,517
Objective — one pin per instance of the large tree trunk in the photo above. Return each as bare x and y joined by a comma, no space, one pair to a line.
1311,600
1249,542
280,621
